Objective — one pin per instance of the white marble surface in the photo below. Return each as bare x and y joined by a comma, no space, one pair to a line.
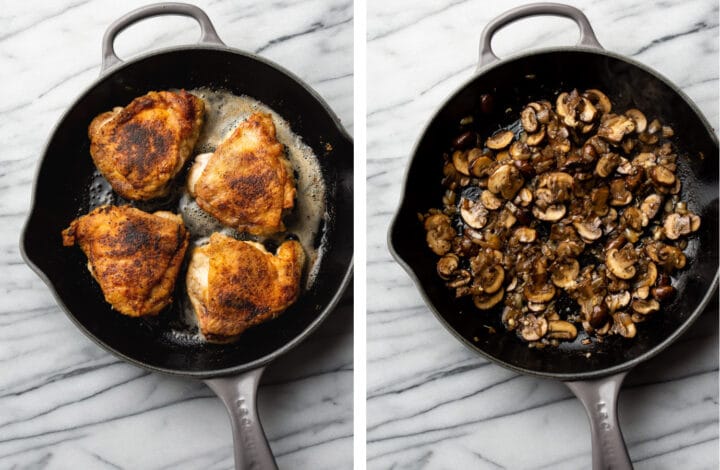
65,403
434,404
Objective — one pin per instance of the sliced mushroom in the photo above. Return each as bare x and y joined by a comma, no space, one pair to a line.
621,262
588,113
539,292
638,118
559,183
620,195
623,325
462,278
473,213
651,205
536,138
552,213
511,317
533,328
694,222
499,140
633,218
589,230
645,307
447,265
614,127
560,329
506,180
607,164
662,175
525,234
662,293
600,100
667,132
488,301
524,197
490,201
519,151
677,225
617,301
565,273
491,278
536,307
529,121
648,276
460,162
439,233
565,109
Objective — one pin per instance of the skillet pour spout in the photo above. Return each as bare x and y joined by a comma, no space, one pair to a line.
595,371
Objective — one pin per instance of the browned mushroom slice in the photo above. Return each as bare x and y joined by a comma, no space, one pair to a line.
499,140
621,262
614,127
633,218
560,329
650,206
524,197
481,166
647,275
607,164
533,328
662,175
491,278
677,225
601,101
620,195
645,307
506,180
488,301
668,256
439,233
565,107
552,213
623,325
589,230
559,183
462,278
654,126
667,132
460,162
662,293
447,265
511,317
617,301
536,139
489,200
638,118
565,273
525,234
539,292
529,121
588,112
473,213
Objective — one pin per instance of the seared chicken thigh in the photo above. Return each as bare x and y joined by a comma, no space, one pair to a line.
140,148
134,256
247,182
235,284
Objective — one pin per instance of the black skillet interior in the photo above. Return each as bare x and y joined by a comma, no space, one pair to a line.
62,194
513,84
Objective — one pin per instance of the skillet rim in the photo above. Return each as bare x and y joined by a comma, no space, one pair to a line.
620,367
206,373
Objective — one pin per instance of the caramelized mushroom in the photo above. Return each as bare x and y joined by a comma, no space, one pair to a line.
599,99
499,140
533,328
473,213
529,121
638,118
505,180
565,273
621,262
488,301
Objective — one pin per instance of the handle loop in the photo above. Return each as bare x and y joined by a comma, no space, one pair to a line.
208,35
587,35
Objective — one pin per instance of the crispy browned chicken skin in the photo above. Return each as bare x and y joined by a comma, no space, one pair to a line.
134,256
140,148
247,183
234,284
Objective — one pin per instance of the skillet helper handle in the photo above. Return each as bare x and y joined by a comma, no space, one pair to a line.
587,35
599,397
239,394
208,35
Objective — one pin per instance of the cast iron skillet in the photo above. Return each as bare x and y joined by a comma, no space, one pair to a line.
61,194
514,82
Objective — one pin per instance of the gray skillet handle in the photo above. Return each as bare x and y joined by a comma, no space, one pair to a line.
239,394
587,35
208,35
599,397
